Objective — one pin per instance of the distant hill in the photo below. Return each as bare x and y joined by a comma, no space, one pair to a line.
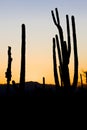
30,87
37,89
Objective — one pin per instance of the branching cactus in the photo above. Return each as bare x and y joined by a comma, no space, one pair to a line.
23,49
64,50
8,72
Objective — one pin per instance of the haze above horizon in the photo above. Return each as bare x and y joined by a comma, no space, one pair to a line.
40,30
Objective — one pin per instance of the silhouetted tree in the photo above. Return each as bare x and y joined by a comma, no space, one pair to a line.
23,50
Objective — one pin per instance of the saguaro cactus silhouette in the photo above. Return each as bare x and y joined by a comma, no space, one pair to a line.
43,82
65,50
8,72
23,50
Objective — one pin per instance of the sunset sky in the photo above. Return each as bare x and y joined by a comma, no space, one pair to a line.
40,29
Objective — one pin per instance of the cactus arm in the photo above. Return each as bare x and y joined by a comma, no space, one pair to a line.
57,23
60,59
55,65
68,35
75,79
60,30
59,51
54,20
61,75
57,16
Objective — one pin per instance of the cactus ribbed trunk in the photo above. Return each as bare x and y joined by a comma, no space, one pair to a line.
68,36
23,49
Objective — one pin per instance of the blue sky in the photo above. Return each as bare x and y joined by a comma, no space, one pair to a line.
40,29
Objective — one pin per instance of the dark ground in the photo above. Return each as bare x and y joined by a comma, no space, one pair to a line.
39,90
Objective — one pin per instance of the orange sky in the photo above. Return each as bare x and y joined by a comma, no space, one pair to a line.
40,30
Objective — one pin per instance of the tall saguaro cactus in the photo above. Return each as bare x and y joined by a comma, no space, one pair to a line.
23,49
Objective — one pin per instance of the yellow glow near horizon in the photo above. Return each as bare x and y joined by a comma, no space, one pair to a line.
40,30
